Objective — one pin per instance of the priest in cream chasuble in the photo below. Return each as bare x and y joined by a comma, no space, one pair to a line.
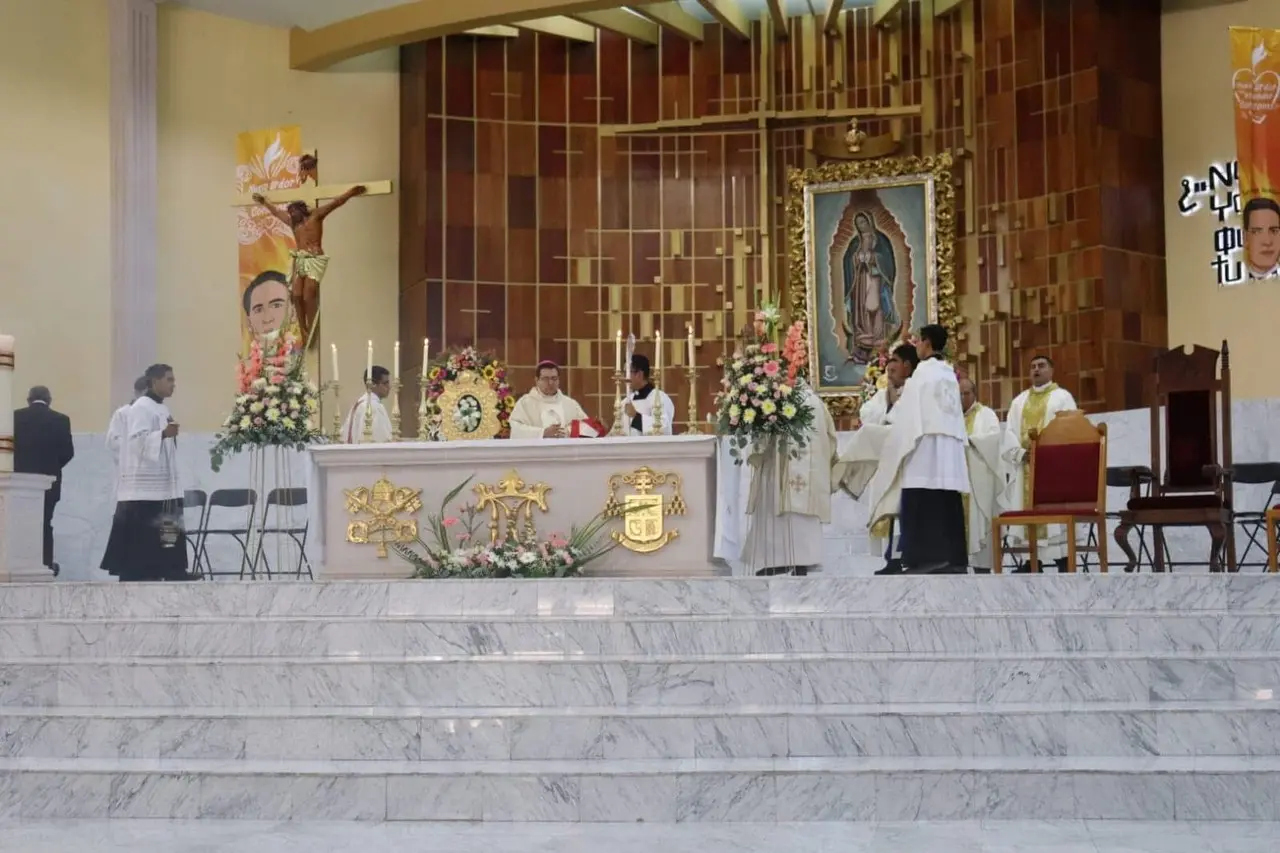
790,498
545,412
1032,409
981,504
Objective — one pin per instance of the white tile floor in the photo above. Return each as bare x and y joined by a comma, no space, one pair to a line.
993,837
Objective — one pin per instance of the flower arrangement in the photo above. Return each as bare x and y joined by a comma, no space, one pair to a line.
275,405
461,549
759,399
795,349
448,369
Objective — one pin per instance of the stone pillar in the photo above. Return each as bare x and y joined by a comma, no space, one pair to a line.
132,25
21,495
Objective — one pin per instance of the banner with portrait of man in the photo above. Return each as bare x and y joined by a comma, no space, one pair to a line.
1255,85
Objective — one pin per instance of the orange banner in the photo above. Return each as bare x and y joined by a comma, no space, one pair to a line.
265,160
1255,83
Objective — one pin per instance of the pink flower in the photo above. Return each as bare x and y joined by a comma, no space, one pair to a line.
769,347
278,379
772,418
450,522
557,541
733,421
258,421
742,398
464,537
568,558
771,368
759,371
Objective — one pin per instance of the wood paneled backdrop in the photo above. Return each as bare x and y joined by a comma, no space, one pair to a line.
537,220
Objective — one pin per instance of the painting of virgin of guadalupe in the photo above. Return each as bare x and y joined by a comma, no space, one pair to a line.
871,259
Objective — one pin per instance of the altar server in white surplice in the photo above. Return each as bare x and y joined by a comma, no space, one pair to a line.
370,406
118,427
790,499
1032,409
924,473
545,412
981,504
643,400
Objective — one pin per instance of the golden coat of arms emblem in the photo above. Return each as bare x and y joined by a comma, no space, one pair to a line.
644,512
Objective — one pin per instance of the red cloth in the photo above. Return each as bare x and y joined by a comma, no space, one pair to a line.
586,428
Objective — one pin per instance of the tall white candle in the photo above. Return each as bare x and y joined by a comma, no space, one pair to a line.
657,352
368,365
426,351
690,347
395,365
617,353
333,349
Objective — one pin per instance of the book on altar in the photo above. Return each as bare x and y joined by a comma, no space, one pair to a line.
586,428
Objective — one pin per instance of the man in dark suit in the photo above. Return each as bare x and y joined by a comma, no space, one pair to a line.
42,445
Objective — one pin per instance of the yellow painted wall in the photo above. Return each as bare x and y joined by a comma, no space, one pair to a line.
1199,130
220,76
55,238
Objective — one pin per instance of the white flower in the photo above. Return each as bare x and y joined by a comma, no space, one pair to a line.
256,407
260,383
273,415
245,423
288,423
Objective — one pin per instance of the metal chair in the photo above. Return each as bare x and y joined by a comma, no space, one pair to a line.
195,499
228,499
1119,478
284,501
1253,522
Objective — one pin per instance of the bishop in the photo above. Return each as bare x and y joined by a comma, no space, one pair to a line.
546,412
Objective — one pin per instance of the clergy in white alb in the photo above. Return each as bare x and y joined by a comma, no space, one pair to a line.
147,542
790,498
924,473
369,410
982,502
545,412
644,401
119,421
1032,409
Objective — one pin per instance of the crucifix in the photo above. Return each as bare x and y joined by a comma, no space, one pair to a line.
305,214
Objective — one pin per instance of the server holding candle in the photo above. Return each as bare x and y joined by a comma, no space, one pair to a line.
369,407
647,410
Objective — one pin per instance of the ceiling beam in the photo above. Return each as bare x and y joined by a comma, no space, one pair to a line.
832,23
670,16
494,32
729,15
565,28
883,9
779,16
623,23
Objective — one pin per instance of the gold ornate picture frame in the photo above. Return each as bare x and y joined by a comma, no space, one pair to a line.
871,259
468,409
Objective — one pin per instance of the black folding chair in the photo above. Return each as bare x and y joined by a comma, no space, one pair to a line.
285,502
228,499
1253,522
1120,478
199,500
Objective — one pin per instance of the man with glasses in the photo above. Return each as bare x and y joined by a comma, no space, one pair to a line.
545,412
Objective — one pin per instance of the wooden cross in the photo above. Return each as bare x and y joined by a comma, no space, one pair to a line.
312,194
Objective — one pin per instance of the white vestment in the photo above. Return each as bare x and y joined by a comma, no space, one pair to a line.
117,430
925,448
981,505
790,499
148,462
876,411
1041,407
534,412
353,426
645,409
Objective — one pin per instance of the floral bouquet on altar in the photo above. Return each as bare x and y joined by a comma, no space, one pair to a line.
447,370
759,397
461,548
276,404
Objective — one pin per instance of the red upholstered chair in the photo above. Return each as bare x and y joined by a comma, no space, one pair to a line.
1271,520
1068,486
1190,474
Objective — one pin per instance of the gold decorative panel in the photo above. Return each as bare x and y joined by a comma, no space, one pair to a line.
644,512
383,504
510,504
468,409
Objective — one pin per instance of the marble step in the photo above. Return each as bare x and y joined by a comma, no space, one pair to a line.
750,790
1136,730
616,597
628,682
640,635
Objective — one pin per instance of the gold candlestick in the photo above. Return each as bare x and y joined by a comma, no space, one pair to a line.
332,385
423,412
618,427
395,410
368,412
655,428
691,373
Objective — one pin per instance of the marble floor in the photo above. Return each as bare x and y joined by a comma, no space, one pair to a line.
953,837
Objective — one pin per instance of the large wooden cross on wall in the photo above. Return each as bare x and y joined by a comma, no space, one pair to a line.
313,193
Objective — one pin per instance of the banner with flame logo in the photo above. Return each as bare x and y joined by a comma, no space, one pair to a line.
1255,83
265,160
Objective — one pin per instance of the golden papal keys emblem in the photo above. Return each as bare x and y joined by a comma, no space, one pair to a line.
383,503
643,514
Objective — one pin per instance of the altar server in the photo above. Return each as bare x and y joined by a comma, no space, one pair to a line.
1032,409
981,504
119,421
643,400
878,411
147,542
370,406
924,472
545,412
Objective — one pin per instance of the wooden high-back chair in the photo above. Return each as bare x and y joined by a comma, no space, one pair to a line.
1190,474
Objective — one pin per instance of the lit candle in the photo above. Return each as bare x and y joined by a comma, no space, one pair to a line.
617,353
657,352
395,364
690,340
334,350
368,367
426,349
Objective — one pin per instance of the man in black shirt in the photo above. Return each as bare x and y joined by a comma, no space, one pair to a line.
42,445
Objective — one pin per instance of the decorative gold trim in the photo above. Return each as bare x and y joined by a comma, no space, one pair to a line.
473,385
643,513
935,173
511,505
383,502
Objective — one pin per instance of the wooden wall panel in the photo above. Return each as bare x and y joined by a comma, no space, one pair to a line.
531,231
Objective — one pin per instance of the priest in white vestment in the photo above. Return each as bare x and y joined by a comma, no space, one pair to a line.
924,472
1032,409
545,412
147,542
118,427
370,408
878,412
982,502
790,498
644,401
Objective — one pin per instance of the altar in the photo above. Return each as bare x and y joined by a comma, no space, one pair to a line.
367,498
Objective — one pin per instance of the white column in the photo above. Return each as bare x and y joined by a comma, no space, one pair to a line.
133,192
